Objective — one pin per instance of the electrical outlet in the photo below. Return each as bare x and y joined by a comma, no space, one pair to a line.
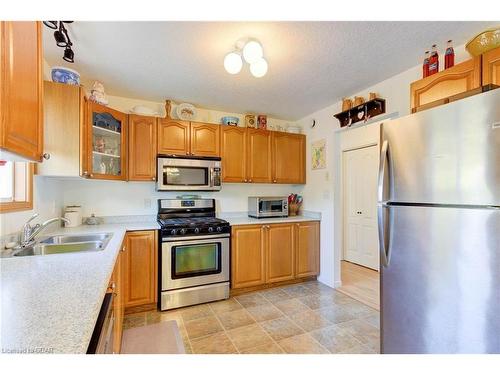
147,203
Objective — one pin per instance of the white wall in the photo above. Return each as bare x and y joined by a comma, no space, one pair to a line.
323,190
47,201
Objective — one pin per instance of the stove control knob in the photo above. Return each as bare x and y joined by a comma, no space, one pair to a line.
173,232
219,229
183,231
196,230
210,229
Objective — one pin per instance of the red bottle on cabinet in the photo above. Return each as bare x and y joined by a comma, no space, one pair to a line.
425,66
434,61
449,56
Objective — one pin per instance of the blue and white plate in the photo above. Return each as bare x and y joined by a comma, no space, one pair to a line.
64,75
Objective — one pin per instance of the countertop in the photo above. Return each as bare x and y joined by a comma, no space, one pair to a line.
50,303
244,219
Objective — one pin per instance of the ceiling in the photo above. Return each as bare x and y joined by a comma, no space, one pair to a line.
311,64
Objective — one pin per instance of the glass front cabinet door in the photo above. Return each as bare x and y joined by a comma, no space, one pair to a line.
106,143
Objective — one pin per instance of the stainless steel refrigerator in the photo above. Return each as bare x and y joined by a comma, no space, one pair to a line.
439,229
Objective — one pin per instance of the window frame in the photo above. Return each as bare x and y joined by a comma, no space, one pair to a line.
27,203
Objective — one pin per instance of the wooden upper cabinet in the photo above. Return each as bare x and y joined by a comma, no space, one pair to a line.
21,89
437,88
140,268
280,252
205,139
288,154
234,154
259,156
63,112
142,148
307,249
173,137
106,143
247,256
491,67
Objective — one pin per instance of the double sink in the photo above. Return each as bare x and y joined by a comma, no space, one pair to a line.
62,244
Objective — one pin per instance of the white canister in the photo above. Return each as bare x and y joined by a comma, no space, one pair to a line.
74,218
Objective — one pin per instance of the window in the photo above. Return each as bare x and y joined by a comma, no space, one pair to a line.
16,186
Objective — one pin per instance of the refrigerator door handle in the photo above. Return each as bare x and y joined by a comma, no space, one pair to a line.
384,225
384,233
384,153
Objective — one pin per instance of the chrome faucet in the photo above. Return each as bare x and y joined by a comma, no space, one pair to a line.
29,233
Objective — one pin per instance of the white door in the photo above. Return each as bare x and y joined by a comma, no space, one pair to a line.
360,171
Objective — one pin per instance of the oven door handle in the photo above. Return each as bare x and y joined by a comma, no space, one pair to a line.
196,238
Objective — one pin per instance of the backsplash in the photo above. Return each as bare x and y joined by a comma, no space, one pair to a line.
110,198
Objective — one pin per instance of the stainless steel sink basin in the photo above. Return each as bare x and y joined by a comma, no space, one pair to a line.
62,239
62,244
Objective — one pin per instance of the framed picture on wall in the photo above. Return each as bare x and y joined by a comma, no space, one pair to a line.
318,154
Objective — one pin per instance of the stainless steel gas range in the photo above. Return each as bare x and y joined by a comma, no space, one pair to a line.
194,256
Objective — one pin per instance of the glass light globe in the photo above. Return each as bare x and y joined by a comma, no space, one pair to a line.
233,63
252,52
259,68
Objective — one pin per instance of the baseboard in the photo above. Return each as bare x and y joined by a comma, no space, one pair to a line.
337,284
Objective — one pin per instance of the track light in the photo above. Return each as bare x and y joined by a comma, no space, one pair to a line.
69,55
62,38
51,24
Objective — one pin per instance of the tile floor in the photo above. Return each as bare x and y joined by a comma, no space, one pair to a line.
302,318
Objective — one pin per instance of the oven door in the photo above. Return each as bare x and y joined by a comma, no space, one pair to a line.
188,174
194,261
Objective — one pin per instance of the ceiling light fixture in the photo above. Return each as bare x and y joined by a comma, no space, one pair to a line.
252,52
233,63
259,68
62,38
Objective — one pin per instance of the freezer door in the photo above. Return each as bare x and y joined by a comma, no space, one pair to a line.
440,289
447,155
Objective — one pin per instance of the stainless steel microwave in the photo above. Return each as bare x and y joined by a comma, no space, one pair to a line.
267,207
177,173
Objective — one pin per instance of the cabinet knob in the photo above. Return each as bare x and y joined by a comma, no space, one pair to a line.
246,180
113,286
153,178
250,180
123,249
46,156
274,181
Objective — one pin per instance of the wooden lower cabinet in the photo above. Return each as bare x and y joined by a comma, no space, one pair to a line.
280,253
247,256
307,248
116,287
266,254
140,266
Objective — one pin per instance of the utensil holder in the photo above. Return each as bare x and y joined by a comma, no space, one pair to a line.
293,209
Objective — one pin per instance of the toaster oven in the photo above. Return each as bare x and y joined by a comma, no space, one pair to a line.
260,207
